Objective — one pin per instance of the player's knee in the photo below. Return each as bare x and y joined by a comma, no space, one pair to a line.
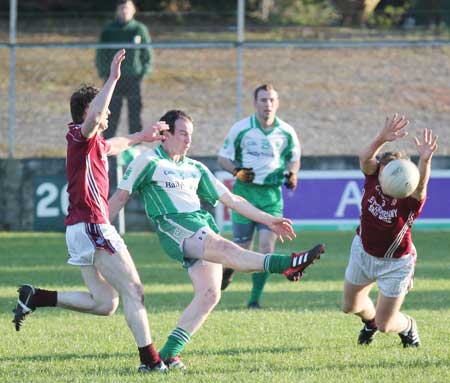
107,308
210,298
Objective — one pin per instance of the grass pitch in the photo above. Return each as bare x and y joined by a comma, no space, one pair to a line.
301,335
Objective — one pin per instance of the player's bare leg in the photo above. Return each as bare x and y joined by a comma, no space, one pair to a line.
206,279
390,319
220,250
358,302
228,273
388,315
111,274
120,272
102,298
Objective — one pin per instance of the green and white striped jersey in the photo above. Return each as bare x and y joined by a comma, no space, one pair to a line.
267,152
167,187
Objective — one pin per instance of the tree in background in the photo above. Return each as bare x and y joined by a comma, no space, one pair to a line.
299,12
431,12
355,12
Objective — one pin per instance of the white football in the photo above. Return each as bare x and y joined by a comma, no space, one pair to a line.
399,178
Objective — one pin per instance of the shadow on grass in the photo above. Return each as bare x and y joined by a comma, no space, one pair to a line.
285,301
316,368
249,350
165,273
120,355
66,357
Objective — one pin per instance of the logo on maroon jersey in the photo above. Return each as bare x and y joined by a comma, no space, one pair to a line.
378,211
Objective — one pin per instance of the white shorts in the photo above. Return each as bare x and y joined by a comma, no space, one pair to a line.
83,239
394,276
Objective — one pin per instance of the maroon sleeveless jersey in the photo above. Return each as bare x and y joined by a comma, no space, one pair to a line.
87,175
385,227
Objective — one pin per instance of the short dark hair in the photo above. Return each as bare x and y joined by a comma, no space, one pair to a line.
80,100
172,115
120,2
387,157
265,87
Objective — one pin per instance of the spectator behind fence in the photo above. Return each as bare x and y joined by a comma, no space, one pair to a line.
125,29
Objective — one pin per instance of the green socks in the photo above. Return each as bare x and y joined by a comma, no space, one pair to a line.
175,343
276,263
259,281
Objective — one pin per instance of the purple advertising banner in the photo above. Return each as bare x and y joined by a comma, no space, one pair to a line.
331,200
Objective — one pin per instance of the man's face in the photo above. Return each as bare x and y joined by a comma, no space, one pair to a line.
266,104
126,11
180,141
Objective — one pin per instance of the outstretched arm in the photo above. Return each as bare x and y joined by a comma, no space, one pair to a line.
393,130
117,202
426,148
149,134
279,225
98,109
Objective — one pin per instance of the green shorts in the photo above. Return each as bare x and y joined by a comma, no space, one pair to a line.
174,228
267,198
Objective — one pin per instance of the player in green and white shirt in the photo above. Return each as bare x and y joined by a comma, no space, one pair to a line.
262,151
171,186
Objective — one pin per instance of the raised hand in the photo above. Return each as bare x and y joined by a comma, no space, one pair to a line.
394,128
116,63
282,227
428,145
154,132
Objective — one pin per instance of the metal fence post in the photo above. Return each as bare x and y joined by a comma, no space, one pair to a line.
240,57
12,75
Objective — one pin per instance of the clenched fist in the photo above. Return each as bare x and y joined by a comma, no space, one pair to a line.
291,180
244,174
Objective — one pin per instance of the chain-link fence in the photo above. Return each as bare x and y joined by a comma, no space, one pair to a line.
334,93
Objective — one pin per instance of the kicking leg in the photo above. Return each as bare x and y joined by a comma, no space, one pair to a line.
242,236
207,245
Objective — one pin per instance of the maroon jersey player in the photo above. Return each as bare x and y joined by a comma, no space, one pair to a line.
382,250
385,227
93,243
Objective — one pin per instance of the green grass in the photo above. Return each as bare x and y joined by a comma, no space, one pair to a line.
300,336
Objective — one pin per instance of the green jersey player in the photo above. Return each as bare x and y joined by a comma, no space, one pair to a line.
171,186
262,151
